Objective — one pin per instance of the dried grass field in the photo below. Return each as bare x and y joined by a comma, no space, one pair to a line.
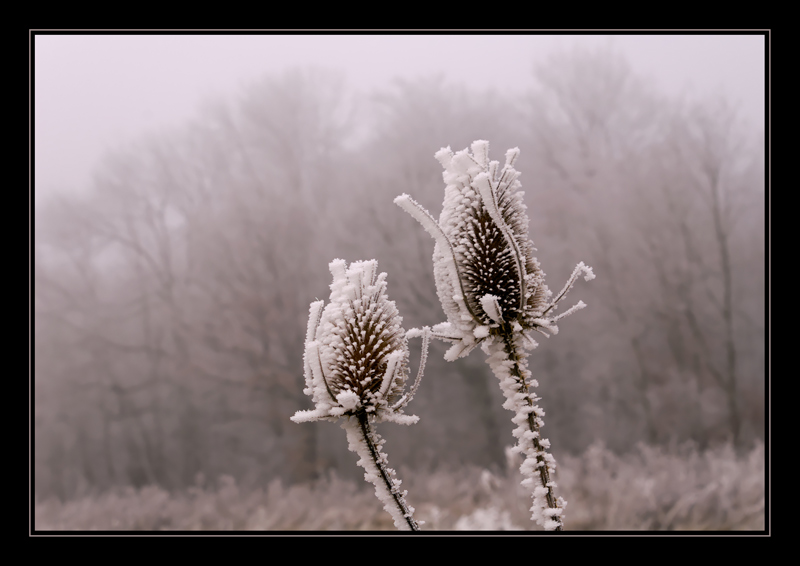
651,488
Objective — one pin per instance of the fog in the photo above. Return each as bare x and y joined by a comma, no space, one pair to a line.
191,191
93,93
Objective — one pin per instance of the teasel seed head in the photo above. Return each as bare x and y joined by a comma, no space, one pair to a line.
356,351
487,278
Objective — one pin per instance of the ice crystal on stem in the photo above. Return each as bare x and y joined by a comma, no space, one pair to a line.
493,293
356,368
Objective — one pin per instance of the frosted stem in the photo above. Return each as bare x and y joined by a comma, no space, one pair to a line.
539,452
386,486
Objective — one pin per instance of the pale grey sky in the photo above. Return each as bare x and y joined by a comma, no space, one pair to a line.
95,91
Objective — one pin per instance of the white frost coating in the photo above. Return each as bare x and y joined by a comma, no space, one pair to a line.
589,275
394,360
356,352
392,498
522,401
448,282
491,306
356,367
444,331
348,400
338,268
314,313
547,324
462,163
425,333
480,152
424,218
495,295
481,331
464,173
476,187
444,156
576,307
415,332
511,157
459,350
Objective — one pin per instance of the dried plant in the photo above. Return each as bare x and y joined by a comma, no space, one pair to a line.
493,293
356,369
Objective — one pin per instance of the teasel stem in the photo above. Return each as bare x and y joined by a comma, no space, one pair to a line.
515,369
387,488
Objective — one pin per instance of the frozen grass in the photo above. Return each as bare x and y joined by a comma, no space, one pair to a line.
650,489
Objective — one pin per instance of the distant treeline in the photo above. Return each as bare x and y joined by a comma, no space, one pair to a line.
171,297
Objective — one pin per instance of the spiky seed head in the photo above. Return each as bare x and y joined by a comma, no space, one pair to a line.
487,278
356,355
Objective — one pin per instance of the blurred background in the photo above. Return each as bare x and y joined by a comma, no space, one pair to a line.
190,192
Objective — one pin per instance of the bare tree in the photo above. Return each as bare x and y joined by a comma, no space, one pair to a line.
653,184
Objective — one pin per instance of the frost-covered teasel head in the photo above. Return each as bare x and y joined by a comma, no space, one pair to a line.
356,351
487,278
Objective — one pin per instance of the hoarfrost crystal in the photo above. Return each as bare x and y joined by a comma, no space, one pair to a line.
484,267
356,368
356,351
493,293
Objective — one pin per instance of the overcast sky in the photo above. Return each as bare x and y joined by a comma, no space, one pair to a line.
95,91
